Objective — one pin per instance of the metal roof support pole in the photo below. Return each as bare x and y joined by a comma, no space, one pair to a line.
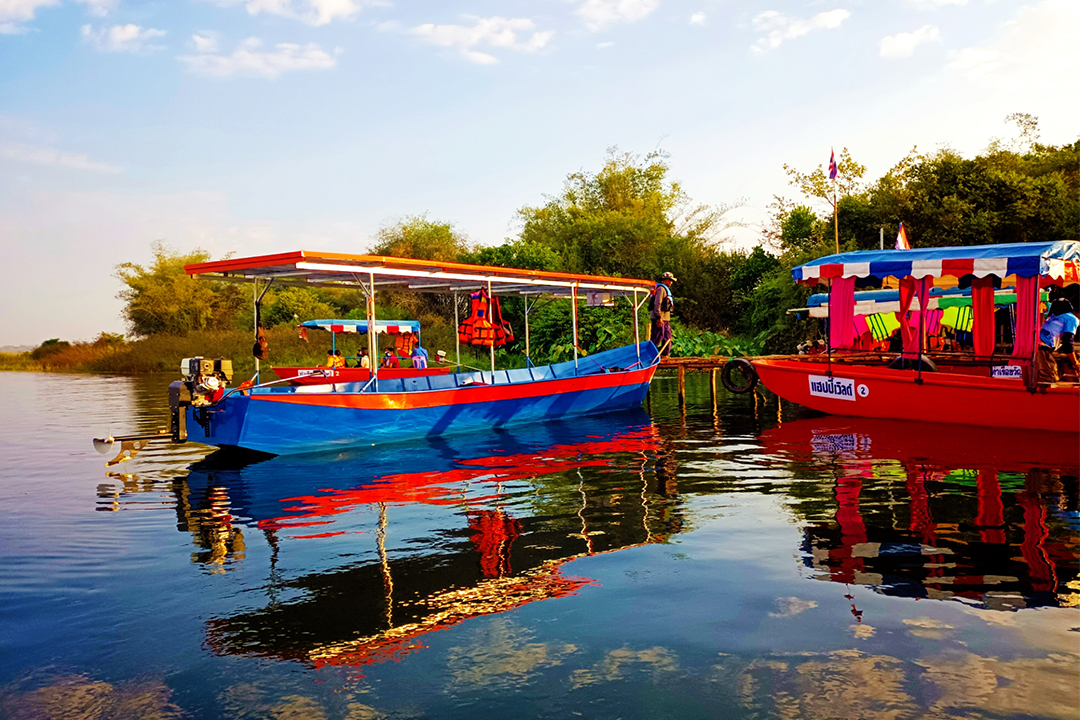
528,359
457,335
828,331
255,313
573,300
373,333
637,330
922,324
491,300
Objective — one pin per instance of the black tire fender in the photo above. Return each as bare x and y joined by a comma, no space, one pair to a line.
746,368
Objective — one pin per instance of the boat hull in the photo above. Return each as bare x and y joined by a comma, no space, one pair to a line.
326,417
880,392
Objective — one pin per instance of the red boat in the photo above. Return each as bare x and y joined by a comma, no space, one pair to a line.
323,375
983,388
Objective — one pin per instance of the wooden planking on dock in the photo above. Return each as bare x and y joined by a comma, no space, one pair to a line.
681,364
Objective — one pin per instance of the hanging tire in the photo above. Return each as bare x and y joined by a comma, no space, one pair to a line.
746,371
902,363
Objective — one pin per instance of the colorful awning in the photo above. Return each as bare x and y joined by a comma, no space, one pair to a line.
361,326
1058,260
379,272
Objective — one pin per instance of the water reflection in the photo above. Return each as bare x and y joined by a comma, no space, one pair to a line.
520,508
948,512
723,557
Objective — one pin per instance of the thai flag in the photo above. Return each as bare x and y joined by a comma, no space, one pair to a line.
901,239
832,164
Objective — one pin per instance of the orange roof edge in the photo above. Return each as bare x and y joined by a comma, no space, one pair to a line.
290,258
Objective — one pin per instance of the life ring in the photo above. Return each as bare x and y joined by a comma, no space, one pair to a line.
749,374
902,363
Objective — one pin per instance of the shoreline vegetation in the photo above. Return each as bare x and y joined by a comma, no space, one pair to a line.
163,352
629,219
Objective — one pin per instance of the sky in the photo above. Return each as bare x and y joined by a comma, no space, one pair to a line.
259,126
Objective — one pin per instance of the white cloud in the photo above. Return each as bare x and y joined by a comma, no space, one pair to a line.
697,18
123,38
903,44
99,8
206,42
250,59
779,27
492,32
936,3
598,13
1035,53
312,12
39,155
13,12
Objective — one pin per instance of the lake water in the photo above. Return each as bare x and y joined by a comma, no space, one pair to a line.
725,559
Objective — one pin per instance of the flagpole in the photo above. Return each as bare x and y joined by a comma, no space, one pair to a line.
836,218
835,206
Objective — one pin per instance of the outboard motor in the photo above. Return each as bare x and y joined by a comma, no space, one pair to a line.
204,383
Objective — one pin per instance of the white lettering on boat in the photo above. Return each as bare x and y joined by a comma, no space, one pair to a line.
1006,371
831,387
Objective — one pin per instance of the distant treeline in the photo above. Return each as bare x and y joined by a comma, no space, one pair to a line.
630,219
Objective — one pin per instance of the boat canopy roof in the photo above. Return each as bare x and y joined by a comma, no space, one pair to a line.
1057,260
334,269
361,326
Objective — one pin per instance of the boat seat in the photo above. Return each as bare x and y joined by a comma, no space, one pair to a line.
542,373
391,385
413,384
442,382
519,375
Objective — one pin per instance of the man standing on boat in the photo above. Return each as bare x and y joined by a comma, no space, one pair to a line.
1056,335
660,314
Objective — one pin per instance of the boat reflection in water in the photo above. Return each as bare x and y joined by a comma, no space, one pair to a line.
507,511
932,511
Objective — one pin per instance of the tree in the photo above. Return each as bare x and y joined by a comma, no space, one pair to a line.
422,239
164,299
630,220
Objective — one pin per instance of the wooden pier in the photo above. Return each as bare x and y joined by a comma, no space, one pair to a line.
683,364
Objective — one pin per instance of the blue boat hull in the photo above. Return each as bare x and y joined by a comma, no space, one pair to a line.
318,418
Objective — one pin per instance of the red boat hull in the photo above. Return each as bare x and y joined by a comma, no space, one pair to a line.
879,392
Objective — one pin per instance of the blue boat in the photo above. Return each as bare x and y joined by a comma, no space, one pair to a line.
273,418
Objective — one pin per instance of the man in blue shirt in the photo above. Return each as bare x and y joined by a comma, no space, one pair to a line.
1056,335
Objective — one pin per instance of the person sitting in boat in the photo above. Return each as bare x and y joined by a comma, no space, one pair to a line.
1056,336
419,358
334,359
363,361
660,309
391,360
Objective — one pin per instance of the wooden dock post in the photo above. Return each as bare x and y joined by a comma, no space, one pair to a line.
682,384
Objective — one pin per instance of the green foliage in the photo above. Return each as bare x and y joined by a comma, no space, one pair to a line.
49,347
163,299
294,305
523,254
689,342
420,238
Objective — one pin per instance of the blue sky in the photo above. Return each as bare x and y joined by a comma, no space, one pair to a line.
266,125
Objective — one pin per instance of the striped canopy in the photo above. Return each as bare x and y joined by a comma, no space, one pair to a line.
361,326
1058,260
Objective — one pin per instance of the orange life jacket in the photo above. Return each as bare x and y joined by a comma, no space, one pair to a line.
485,325
404,343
